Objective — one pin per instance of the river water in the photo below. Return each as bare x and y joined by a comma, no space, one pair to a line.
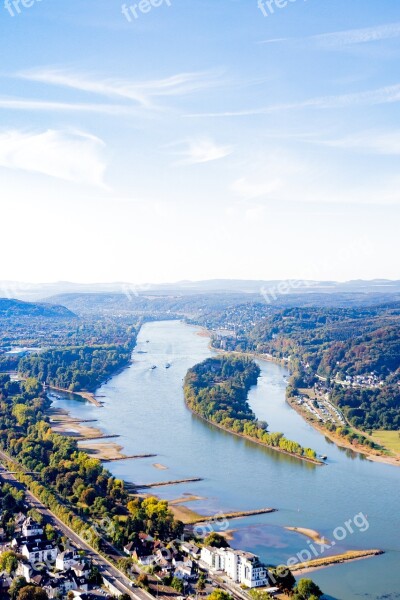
145,406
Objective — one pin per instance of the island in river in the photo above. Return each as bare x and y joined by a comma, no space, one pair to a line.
216,390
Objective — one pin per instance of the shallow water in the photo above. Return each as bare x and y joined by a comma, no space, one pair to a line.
145,406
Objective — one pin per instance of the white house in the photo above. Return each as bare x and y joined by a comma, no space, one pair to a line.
242,567
31,529
65,560
39,551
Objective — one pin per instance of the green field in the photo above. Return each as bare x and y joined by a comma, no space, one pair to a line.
389,439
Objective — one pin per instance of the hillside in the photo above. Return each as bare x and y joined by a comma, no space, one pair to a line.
17,308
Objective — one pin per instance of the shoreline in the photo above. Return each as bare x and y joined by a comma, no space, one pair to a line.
312,534
312,461
62,423
339,441
342,443
88,396
336,559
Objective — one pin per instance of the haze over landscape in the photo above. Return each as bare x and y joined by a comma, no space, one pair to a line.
199,300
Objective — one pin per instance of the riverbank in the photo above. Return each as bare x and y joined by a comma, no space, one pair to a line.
370,454
329,561
62,423
88,396
310,533
313,461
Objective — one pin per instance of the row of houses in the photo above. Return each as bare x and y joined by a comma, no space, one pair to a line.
241,567
43,564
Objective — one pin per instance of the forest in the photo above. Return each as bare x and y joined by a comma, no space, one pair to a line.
74,485
77,368
217,390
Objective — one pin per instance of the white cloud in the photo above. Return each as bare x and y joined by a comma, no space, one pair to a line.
142,92
71,156
202,150
339,39
358,36
43,105
385,95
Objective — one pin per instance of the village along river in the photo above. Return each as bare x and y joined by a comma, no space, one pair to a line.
146,407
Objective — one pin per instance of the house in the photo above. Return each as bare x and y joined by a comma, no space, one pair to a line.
24,570
31,529
81,569
65,560
130,548
243,568
190,549
38,551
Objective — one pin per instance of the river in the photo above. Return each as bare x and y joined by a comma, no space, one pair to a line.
145,406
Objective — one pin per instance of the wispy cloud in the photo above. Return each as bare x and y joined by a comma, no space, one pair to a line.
377,142
384,95
340,39
201,150
71,156
26,104
143,93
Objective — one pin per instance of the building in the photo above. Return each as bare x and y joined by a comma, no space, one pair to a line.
243,568
65,560
31,529
38,551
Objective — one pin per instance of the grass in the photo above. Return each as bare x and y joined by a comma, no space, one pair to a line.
388,439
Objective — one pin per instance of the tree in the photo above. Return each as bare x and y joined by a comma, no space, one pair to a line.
216,540
259,595
143,580
88,496
177,584
32,592
8,561
201,583
16,586
219,594
306,589
283,578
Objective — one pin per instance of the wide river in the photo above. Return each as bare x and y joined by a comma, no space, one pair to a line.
145,406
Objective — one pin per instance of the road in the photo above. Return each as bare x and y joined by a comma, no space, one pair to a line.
121,582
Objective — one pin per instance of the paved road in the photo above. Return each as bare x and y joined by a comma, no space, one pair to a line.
120,580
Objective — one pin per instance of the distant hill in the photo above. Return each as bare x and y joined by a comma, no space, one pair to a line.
16,308
39,291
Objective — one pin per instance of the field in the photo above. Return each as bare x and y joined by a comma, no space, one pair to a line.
389,439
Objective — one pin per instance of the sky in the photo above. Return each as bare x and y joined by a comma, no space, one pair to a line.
199,139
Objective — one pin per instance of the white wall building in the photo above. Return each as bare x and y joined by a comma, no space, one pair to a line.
242,567
31,529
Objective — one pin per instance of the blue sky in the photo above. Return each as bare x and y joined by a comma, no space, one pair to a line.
199,140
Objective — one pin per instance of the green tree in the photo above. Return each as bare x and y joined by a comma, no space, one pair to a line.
177,584
8,561
219,594
306,589
16,586
216,540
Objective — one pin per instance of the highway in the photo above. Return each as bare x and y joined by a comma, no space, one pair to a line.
121,582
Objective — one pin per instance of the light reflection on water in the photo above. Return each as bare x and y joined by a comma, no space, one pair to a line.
146,408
